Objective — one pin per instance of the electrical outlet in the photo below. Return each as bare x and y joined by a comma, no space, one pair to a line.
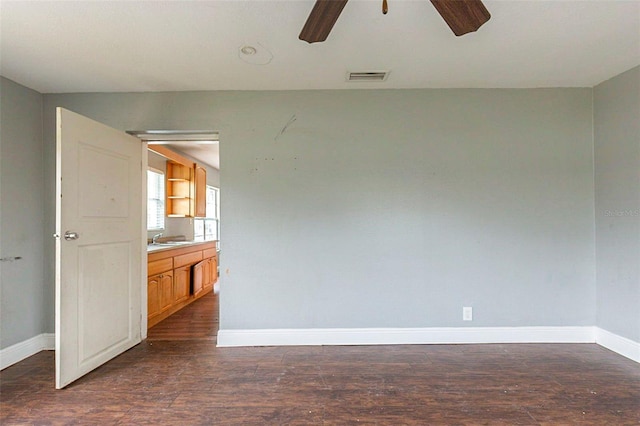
467,313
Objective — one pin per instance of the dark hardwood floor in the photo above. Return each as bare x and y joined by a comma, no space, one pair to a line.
179,377
198,321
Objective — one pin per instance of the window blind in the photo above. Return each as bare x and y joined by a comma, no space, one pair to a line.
155,200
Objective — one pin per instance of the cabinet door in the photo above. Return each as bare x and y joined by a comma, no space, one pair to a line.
212,276
199,275
159,293
201,191
214,270
181,284
166,291
153,296
179,190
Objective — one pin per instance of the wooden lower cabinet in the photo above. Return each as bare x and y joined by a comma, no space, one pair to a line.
198,277
181,284
212,273
159,293
177,277
205,274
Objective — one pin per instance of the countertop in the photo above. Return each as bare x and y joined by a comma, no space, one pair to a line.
152,248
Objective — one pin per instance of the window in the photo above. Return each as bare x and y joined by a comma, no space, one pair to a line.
208,228
155,200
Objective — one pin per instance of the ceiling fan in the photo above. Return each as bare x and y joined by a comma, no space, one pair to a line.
462,16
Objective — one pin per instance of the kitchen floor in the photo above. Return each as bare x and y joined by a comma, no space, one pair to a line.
179,377
197,321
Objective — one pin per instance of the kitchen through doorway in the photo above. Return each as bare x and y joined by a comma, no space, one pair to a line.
188,310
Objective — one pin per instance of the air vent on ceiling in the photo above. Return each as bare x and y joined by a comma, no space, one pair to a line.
367,75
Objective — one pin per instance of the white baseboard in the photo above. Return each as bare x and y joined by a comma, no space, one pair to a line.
24,349
621,345
404,336
379,336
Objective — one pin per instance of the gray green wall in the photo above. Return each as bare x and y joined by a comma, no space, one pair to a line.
25,300
389,208
617,196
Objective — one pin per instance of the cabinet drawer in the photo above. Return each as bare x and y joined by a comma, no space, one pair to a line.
207,253
158,266
187,259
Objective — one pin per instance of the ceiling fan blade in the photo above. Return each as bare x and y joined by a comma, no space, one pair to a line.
462,16
323,16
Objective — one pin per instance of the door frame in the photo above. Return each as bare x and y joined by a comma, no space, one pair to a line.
143,292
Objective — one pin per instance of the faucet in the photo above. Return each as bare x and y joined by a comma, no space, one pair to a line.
154,240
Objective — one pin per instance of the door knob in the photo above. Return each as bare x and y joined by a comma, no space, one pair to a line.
69,235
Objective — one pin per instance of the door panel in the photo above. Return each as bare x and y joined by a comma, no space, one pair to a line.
100,273
104,194
104,283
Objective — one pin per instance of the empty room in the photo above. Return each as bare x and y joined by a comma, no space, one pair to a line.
320,212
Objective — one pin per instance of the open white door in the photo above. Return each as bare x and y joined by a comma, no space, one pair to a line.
100,228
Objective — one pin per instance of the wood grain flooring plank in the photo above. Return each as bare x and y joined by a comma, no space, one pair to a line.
179,377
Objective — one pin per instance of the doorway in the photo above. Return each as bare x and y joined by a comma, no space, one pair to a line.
198,320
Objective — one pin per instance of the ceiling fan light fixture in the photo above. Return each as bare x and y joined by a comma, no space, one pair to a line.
367,75
462,16
323,16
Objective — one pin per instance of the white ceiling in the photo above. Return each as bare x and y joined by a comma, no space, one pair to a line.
209,154
134,46
115,46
